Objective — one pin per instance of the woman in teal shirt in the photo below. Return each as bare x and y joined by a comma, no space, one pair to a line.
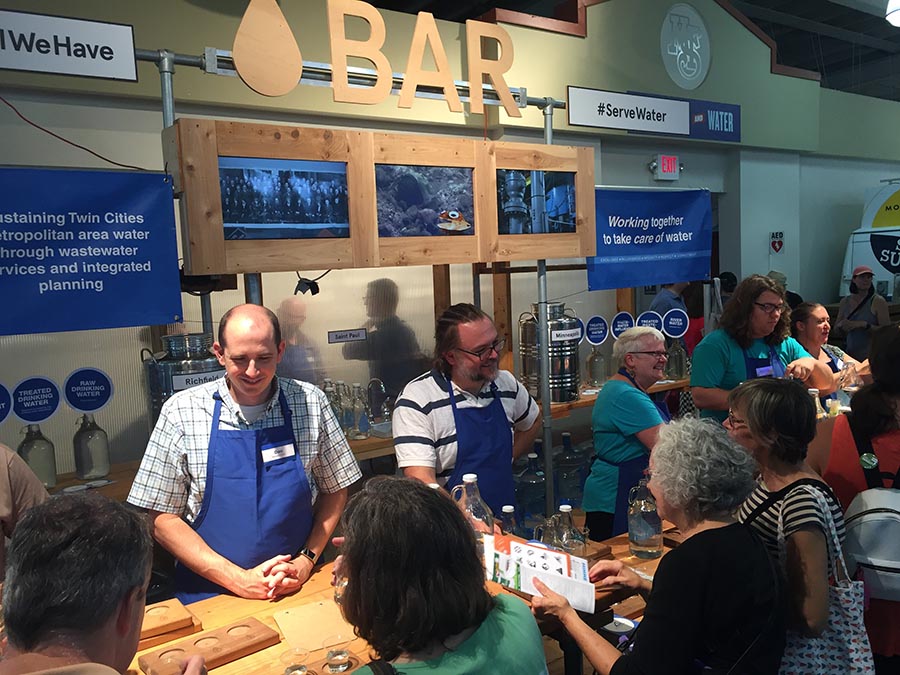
626,422
753,340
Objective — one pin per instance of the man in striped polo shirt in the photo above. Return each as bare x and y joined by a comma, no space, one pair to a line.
465,415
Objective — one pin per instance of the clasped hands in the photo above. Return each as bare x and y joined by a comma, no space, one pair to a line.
275,577
605,573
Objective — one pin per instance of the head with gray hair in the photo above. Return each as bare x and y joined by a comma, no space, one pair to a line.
699,470
76,564
636,339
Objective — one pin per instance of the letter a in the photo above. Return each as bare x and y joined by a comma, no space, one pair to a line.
494,69
370,49
427,32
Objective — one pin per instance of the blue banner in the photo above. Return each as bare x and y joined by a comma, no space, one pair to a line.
650,237
86,249
715,121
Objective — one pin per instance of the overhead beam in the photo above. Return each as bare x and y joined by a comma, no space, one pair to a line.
876,7
810,26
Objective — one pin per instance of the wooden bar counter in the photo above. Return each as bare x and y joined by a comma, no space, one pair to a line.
223,610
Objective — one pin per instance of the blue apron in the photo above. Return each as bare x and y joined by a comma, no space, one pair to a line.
836,365
252,509
631,470
484,446
764,367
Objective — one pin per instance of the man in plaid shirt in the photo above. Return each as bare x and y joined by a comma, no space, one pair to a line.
245,477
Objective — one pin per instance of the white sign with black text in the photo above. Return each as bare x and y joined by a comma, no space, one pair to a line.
632,112
55,44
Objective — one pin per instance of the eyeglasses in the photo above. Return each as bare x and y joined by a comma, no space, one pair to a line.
769,308
496,346
657,355
735,422
648,474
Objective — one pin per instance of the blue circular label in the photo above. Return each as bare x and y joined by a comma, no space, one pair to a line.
597,330
675,323
35,399
621,322
88,389
651,319
581,327
5,403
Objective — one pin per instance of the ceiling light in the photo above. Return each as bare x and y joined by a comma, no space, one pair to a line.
893,12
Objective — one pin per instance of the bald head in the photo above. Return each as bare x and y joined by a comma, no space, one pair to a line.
291,314
246,316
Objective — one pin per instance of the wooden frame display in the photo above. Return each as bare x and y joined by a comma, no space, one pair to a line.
192,148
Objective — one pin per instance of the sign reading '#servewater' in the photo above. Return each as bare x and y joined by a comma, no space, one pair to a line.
54,44
612,110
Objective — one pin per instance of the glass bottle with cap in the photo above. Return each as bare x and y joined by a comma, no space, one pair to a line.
477,512
820,411
91,446
39,454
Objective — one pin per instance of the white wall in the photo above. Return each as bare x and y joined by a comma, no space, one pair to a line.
832,197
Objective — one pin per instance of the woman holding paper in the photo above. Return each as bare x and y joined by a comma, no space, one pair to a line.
415,588
714,601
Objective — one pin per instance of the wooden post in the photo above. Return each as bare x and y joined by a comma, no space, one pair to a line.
440,276
625,300
503,319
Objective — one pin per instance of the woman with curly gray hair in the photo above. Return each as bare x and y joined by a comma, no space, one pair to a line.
714,602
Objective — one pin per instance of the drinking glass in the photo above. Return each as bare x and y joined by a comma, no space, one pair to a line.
340,584
337,652
294,660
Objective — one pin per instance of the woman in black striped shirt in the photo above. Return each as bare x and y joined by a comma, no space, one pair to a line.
776,420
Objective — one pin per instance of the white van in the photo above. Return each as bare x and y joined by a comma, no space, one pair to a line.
877,243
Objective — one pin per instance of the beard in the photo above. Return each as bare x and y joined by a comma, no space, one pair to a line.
481,373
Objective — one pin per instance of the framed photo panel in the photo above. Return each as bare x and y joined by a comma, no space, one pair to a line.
271,198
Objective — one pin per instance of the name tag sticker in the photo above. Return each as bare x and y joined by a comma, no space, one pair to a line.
271,453
765,371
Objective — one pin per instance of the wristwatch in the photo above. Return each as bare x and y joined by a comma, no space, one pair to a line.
309,554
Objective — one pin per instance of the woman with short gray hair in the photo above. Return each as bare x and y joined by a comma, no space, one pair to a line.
714,603
625,422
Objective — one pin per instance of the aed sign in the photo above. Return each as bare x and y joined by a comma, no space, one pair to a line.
55,44
776,242
667,167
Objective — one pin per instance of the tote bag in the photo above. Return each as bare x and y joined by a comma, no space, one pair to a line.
843,648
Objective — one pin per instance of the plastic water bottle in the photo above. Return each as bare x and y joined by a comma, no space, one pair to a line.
644,523
39,454
597,372
531,494
508,522
568,470
475,509
91,446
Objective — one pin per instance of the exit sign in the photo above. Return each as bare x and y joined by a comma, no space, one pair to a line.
667,167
